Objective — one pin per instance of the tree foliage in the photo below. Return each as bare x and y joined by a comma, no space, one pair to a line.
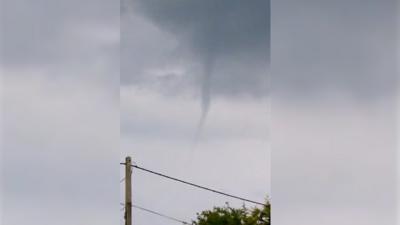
235,216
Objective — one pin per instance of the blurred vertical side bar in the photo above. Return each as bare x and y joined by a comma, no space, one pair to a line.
334,112
398,112
61,112
1,114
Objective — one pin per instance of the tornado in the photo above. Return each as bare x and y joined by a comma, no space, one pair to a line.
205,95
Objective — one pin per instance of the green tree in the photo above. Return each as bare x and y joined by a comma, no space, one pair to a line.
235,216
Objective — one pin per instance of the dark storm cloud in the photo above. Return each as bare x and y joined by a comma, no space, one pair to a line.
213,27
219,35
222,36
345,47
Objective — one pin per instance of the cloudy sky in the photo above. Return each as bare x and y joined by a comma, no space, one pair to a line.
296,101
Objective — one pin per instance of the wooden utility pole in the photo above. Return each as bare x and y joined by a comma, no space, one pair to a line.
128,191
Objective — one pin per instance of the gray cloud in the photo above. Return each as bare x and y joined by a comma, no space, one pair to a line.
228,40
345,47
72,34
334,112
218,35
213,28
52,131
348,49
341,159
59,64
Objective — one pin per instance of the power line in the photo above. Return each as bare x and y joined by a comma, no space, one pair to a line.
160,214
197,186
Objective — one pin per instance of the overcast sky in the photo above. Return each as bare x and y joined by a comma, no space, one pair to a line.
222,93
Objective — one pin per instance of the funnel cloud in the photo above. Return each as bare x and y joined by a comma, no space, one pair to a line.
205,94
225,38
